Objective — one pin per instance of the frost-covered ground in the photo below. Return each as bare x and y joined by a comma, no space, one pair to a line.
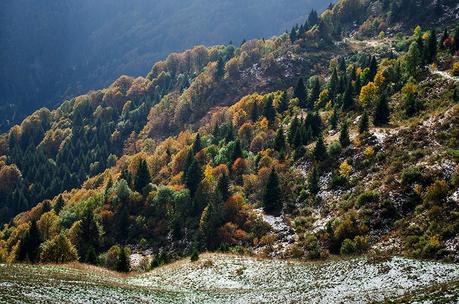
218,278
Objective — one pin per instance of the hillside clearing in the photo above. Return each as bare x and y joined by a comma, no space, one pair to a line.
235,279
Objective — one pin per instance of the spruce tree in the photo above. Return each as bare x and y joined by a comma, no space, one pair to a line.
333,120
456,40
293,35
313,180
254,112
382,111
431,47
142,176
197,144
373,68
444,37
313,18
123,264
272,197
363,123
88,234
293,128
315,91
237,151
320,150
344,135
279,141
283,103
333,85
348,99
268,109
301,93
193,177
223,187
59,204
220,70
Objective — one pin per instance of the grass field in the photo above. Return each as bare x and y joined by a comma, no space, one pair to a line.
218,278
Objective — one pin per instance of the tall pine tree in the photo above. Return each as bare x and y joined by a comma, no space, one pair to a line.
272,197
301,93
142,176
382,112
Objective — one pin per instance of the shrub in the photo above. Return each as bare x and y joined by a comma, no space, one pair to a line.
365,198
437,192
455,71
58,250
411,176
194,255
334,149
358,245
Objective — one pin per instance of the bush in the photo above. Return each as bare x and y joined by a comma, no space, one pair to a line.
365,198
358,245
194,255
437,192
411,176
58,250
334,149
455,71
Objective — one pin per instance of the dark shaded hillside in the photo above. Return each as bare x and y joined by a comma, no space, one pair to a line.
51,50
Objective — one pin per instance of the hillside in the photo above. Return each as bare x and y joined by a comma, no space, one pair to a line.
235,279
339,138
52,50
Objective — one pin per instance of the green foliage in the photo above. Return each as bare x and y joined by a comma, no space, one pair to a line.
142,177
268,109
301,93
364,123
279,141
272,196
344,135
123,264
320,150
58,250
194,255
313,180
382,112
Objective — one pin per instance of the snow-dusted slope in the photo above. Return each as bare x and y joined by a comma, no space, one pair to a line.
232,279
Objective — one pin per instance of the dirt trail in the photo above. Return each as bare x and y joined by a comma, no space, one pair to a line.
443,74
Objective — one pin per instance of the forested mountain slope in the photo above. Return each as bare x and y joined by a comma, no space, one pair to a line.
53,50
338,138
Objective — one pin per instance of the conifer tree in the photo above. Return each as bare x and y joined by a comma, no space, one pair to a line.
283,103
197,144
254,112
237,151
272,197
315,91
293,35
456,40
279,141
142,176
59,204
333,85
431,48
344,135
333,120
223,187
363,123
268,109
313,180
193,177
348,100
123,264
320,150
293,129
313,18
126,175
444,37
88,234
382,111
300,92
220,70
373,68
